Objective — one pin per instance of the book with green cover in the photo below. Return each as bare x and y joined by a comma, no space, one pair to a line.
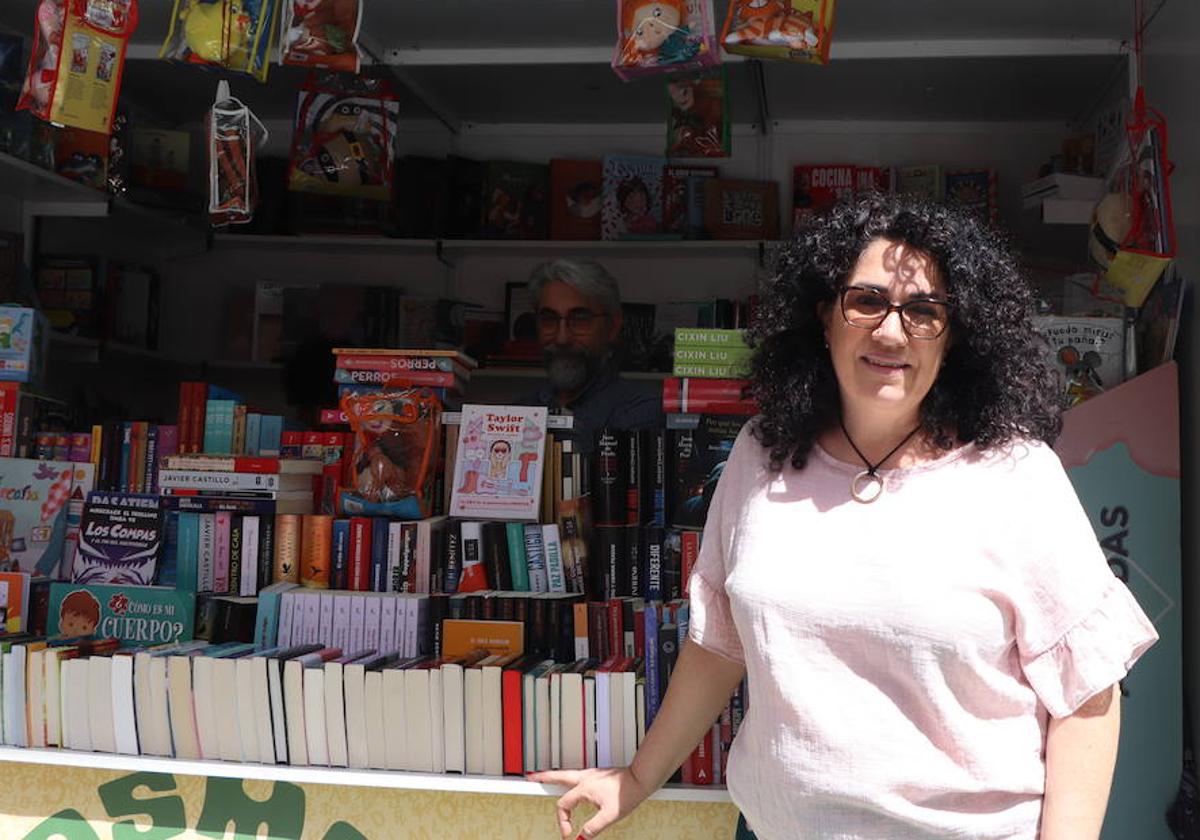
705,337
515,531
136,615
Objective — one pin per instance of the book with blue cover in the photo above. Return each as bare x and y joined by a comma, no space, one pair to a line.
135,615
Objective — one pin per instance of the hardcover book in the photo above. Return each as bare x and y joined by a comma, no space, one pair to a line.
498,465
632,197
575,198
741,209
976,190
33,518
675,195
818,186
1087,353
119,540
515,200
136,615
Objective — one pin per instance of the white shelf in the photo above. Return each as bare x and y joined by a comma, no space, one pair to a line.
467,247
48,193
446,782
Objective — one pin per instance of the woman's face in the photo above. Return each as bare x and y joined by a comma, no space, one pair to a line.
883,373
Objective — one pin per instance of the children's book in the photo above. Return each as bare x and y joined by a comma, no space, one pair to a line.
120,539
974,189
136,615
515,200
33,514
575,199
498,465
1087,353
14,602
632,197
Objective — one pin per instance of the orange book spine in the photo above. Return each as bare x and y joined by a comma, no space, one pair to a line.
288,545
317,539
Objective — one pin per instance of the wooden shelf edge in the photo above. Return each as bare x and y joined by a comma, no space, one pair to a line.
441,782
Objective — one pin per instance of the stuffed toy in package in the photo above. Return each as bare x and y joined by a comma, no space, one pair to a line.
344,138
78,56
237,35
321,34
664,36
792,30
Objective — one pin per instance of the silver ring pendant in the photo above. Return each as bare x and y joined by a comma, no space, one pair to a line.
866,487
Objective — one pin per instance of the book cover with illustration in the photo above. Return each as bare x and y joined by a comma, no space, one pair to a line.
696,457
976,190
14,602
675,195
575,198
33,514
119,540
1087,353
632,197
515,200
136,615
498,465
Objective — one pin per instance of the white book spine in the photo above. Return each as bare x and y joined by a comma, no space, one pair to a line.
316,741
341,621
395,723
376,731
437,723
335,714
211,480
387,623
207,552
250,536
372,610
124,718
556,578
325,624
311,607
358,621
287,606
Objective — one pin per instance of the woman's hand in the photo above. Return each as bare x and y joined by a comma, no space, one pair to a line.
615,792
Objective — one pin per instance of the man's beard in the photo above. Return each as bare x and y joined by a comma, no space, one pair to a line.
568,368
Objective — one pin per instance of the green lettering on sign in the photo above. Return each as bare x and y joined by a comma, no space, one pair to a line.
67,824
226,801
167,816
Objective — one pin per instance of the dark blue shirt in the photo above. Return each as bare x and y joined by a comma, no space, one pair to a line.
606,401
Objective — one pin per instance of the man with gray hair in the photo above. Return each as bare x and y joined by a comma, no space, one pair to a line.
578,315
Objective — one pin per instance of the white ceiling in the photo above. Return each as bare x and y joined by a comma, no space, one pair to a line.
1038,88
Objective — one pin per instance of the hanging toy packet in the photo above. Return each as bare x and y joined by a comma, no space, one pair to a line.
344,141
397,436
234,137
664,36
698,122
238,35
74,74
792,30
322,34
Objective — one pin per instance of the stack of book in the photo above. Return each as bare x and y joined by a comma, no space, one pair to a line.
711,353
365,370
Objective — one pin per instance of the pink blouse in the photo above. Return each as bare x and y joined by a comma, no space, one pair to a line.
903,656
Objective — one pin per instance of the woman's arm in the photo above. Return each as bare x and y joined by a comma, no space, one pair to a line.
700,687
1081,752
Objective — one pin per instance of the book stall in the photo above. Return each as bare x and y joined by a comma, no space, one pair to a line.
290,533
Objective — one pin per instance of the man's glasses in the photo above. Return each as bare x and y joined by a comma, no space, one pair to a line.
579,321
868,308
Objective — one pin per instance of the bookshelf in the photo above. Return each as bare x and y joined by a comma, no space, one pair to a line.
48,192
445,782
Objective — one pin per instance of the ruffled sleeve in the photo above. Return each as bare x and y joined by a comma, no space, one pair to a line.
710,620
1098,651
1079,629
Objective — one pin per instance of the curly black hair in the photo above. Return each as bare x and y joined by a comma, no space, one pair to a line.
995,386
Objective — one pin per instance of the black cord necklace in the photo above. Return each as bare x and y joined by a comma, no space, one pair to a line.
868,484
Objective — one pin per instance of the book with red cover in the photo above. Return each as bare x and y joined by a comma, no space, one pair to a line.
689,395
428,378
871,179
576,192
360,554
689,545
512,710
700,762
818,186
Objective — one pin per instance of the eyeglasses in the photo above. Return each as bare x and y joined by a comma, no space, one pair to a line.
868,308
579,321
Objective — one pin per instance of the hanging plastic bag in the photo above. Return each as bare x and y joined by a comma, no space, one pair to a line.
344,138
698,124
238,35
397,433
321,33
78,56
793,30
234,137
1133,228
664,36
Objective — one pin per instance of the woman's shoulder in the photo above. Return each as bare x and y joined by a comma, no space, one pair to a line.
1022,459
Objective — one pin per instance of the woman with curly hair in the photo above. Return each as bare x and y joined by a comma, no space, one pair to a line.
896,561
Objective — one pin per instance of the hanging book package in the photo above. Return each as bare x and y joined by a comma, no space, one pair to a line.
396,434
1132,238
792,30
664,36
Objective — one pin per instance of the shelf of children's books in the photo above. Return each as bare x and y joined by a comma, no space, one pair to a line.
48,193
447,782
540,373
